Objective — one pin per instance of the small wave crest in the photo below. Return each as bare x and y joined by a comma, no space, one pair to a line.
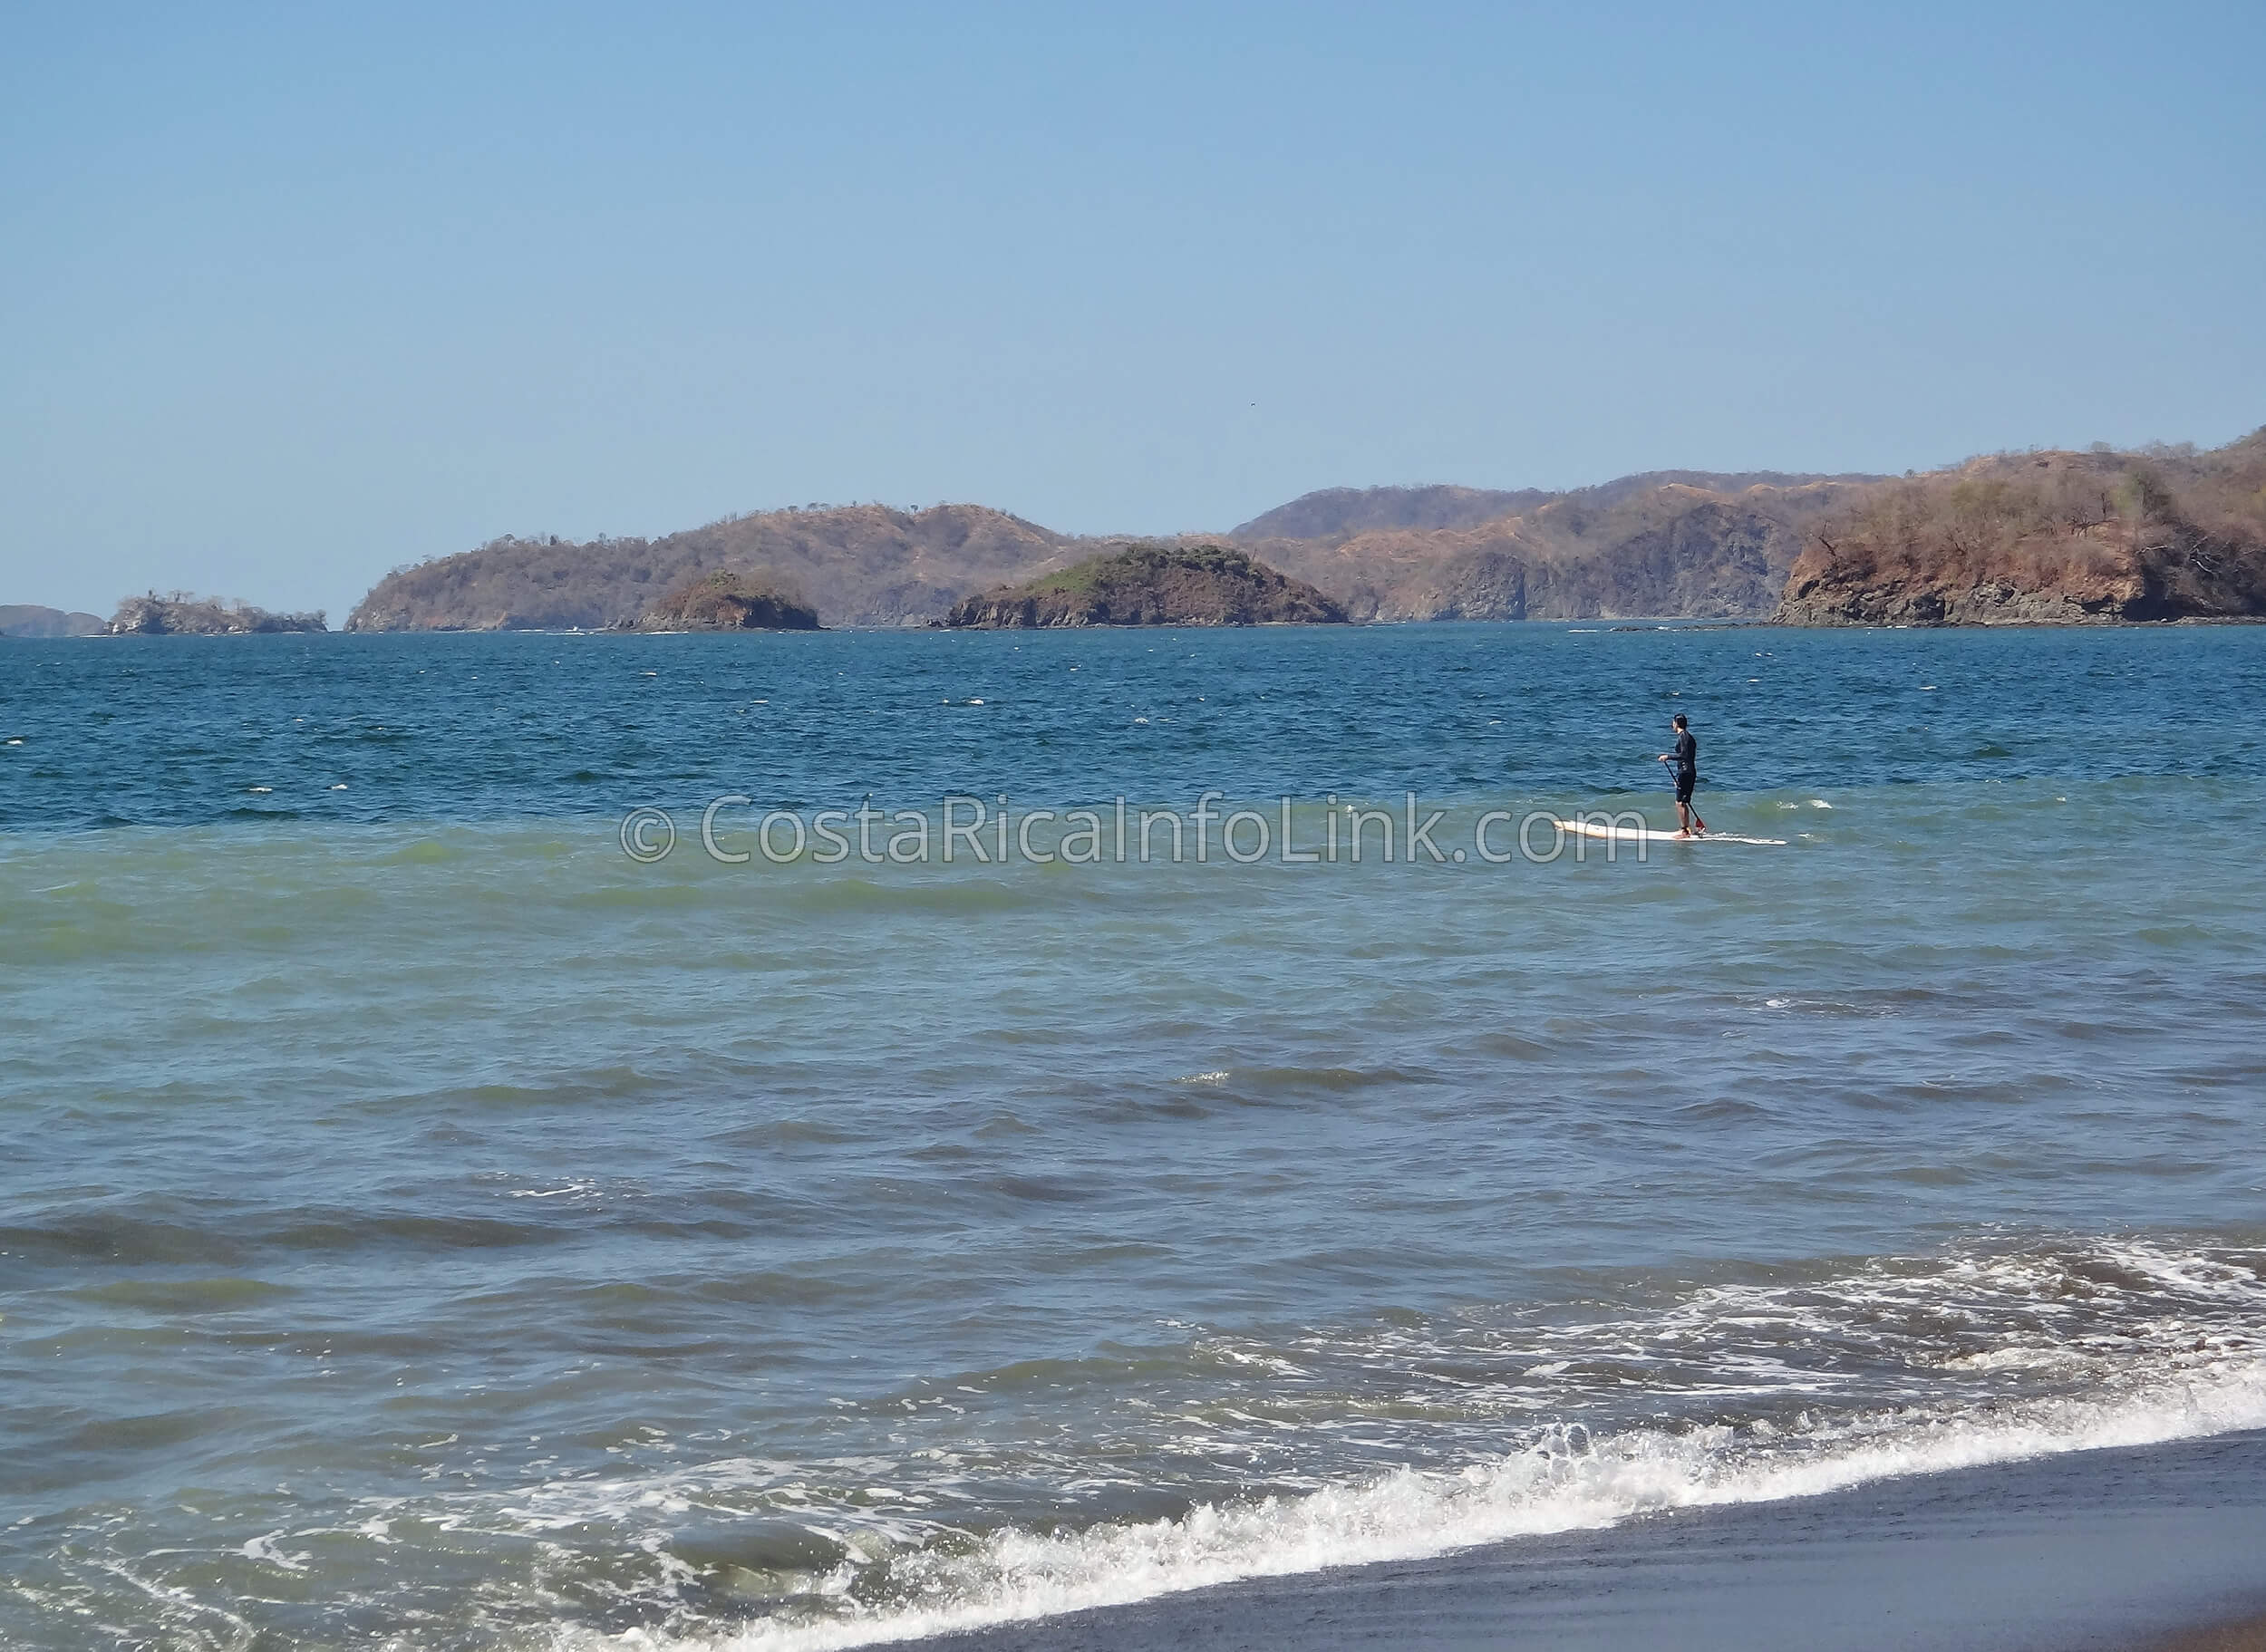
2043,1353
1570,1482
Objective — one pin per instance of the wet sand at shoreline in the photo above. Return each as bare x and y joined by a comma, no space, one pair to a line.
2095,1551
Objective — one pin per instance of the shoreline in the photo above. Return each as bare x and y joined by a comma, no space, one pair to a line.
2154,1549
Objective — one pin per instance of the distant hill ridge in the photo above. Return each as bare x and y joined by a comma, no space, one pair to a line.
1658,545
1338,513
858,565
30,620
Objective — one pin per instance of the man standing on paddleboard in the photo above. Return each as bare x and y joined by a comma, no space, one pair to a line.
1686,761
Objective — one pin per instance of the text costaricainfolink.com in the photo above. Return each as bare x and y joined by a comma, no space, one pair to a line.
970,830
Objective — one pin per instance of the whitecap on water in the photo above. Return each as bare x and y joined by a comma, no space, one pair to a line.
555,1193
2114,1343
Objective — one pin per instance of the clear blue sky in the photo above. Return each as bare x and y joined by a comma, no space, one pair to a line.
291,295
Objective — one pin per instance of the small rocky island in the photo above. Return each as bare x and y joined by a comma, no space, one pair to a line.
727,601
1153,584
182,615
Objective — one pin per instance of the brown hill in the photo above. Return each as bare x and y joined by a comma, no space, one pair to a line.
2046,538
1153,584
1670,543
1978,540
1657,545
860,565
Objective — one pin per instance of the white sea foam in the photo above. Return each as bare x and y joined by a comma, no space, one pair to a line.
1406,1515
263,1548
2136,1345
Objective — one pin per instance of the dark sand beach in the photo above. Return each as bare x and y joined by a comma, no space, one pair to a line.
2162,1548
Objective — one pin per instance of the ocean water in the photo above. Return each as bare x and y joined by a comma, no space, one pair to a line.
427,1225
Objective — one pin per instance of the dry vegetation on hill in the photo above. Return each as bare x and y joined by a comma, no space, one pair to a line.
1647,546
2045,537
860,564
1676,543
2164,533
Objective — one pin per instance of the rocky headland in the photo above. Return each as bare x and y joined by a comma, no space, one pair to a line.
181,615
2044,538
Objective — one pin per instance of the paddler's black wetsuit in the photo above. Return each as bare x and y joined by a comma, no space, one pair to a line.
1687,765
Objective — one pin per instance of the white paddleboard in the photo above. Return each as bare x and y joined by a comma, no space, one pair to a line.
1628,834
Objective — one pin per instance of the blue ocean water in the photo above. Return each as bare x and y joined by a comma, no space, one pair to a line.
427,1225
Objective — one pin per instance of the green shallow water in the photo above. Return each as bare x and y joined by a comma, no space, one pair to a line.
429,1227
